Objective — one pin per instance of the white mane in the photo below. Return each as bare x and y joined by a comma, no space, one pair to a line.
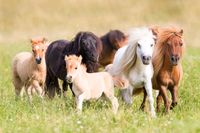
129,56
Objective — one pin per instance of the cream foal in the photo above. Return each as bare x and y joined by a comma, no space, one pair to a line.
89,85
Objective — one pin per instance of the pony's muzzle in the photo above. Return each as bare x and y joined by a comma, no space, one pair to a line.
174,59
69,79
146,60
38,60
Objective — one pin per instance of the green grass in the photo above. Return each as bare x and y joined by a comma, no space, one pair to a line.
59,115
22,19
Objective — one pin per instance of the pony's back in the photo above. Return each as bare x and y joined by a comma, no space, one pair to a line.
20,65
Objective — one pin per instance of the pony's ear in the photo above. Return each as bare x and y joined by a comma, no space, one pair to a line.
126,38
181,32
32,41
80,58
66,58
44,40
155,30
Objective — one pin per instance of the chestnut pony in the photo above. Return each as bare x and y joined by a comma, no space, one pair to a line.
111,42
85,44
167,66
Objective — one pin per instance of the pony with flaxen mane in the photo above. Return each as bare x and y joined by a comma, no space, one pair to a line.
167,67
85,44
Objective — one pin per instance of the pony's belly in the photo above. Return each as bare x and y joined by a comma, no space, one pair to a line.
138,84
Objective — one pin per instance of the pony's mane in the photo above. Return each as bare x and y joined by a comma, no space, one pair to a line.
89,46
129,57
112,38
163,35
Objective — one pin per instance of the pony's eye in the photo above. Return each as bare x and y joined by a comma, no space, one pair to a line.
139,45
76,68
151,45
181,44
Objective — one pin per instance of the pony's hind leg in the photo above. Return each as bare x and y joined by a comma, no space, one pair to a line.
158,101
52,84
127,95
113,99
18,87
144,100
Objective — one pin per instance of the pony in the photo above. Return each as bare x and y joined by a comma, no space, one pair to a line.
89,85
111,42
85,44
167,65
133,64
29,69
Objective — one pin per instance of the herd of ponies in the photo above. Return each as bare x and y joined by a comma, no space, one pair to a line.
146,58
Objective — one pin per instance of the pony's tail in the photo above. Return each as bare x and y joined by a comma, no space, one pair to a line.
118,81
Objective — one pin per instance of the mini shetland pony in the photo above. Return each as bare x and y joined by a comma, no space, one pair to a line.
167,67
89,85
29,69
85,44
111,42
133,63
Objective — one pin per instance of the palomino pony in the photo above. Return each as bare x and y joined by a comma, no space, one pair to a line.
111,42
167,67
133,63
29,69
89,85
85,44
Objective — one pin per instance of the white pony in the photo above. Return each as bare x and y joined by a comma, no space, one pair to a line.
132,63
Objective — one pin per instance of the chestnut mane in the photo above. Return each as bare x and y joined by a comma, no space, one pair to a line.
164,34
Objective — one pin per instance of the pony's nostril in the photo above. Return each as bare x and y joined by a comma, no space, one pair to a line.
149,58
172,58
144,57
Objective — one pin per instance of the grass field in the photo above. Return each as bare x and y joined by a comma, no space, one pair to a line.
22,19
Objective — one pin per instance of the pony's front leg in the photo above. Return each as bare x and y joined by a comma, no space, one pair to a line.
174,93
127,95
38,88
148,88
29,93
79,102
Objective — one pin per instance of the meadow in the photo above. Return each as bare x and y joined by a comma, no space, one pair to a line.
21,19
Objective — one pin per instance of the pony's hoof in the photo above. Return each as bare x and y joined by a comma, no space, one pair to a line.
153,115
173,105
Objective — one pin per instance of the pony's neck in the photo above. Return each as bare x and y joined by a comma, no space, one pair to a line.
81,75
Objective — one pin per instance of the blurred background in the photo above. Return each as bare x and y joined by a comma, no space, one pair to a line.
62,19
